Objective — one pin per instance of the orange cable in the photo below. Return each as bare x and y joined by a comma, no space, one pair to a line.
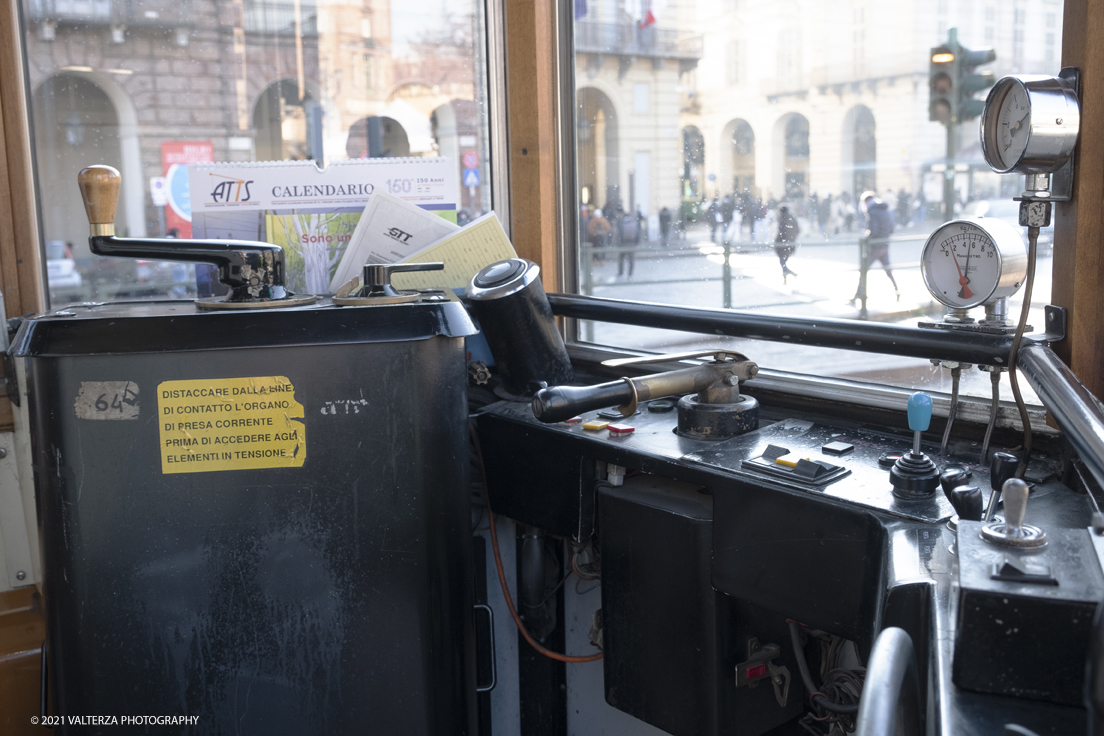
502,577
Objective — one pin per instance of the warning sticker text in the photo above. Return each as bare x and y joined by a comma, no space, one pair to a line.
230,424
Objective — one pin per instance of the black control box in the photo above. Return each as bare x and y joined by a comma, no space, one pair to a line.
678,654
1025,617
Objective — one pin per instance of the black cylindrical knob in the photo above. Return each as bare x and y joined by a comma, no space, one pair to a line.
950,479
967,502
1002,467
515,317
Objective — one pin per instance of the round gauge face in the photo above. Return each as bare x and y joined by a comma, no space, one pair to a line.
962,265
1030,124
1012,125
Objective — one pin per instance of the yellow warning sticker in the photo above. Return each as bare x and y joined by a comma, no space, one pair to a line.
230,424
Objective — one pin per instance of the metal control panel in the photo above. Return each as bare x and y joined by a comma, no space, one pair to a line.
855,460
805,526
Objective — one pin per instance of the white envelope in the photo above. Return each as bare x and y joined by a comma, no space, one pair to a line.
389,230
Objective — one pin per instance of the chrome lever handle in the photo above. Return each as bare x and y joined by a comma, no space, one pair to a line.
718,355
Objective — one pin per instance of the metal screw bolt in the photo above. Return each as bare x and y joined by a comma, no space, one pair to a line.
3,453
1058,121
731,380
20,575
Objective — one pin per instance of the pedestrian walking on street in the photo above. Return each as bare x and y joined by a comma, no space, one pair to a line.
874,245
665,226
584,223
630,237
759,226
784,242
823,212
716,218
599,231
904,213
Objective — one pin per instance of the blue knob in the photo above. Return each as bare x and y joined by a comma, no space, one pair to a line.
919,411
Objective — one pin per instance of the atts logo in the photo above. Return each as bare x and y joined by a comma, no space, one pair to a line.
396,234
231,190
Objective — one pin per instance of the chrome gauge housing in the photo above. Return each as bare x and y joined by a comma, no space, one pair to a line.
973,261
1030,124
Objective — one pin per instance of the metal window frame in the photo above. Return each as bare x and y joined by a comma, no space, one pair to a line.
568,221
494,26
973,409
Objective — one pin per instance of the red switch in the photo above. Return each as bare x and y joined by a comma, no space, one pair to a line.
621,429
756,671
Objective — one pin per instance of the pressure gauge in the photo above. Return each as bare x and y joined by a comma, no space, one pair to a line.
1030,124
973,261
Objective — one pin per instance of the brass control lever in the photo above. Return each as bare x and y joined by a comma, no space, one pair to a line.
716,382
254,271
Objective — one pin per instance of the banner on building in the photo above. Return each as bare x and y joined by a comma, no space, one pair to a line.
175,157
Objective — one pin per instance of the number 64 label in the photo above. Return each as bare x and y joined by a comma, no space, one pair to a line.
106,400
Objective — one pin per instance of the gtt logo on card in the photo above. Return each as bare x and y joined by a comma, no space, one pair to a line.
398,235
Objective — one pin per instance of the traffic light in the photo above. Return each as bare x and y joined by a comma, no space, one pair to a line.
970,82
954,81
942,80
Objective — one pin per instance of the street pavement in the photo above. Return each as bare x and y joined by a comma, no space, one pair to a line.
689,272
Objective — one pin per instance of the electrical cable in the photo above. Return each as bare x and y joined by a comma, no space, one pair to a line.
502,576
995,378
1085,484
549,596
817,698
591,589
577,571
956,376
1032,245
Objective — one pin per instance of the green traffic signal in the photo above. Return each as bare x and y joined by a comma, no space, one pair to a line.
970,82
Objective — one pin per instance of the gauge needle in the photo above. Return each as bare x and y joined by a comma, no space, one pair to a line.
965,292
1019,124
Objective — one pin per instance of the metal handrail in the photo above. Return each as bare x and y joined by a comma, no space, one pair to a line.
890,703
887,339
1079,414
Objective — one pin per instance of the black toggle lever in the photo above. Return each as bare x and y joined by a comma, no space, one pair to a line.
1002,466
967,502
254,271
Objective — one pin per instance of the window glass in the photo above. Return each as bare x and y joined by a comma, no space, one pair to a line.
150,86
789,147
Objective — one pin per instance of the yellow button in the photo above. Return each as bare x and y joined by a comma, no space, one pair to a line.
791,460
595,425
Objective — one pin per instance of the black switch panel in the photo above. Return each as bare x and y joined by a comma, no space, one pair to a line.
1025,637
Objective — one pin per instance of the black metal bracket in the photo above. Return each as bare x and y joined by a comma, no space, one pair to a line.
1057,322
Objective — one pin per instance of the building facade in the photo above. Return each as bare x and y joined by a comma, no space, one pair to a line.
782,98
134,85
